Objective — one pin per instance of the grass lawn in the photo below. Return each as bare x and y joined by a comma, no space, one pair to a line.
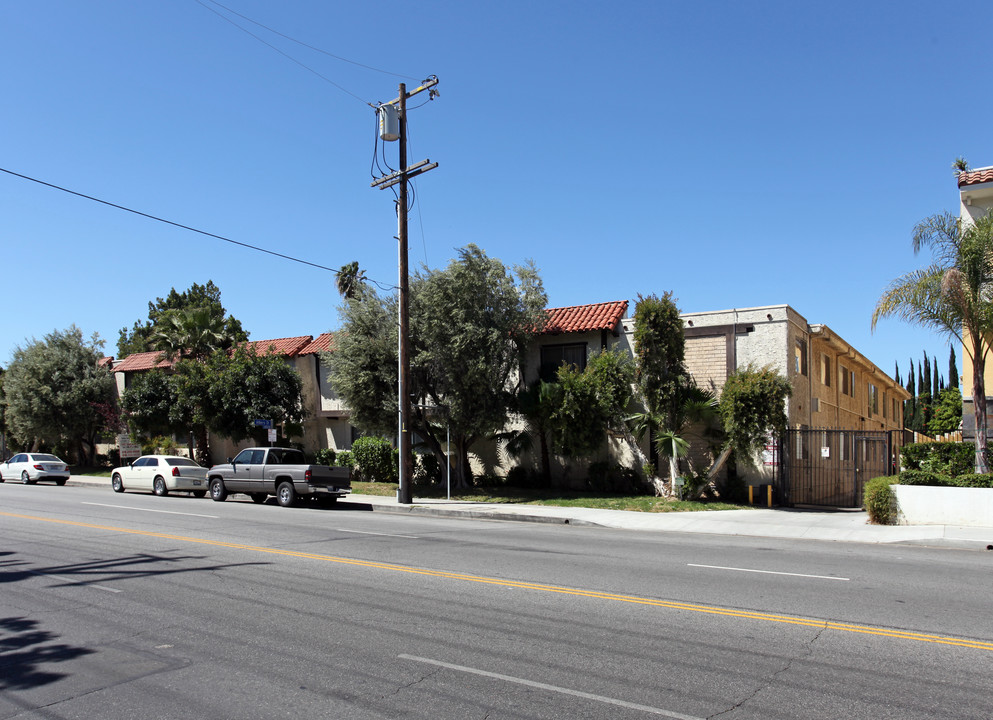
560,498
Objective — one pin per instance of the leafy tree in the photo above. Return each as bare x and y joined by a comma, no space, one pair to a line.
151,406
951,296
139,338
753,405
470,325
55,393
536,405
591,401
947,412
245,386
660,349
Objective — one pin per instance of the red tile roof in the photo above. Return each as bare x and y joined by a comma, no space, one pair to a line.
290,347
585,318
975,177
143,361
107,361
323,343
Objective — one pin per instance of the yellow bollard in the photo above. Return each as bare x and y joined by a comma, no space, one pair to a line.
750,500
770,494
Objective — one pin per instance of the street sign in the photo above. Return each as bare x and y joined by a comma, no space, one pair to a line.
272,436
263,424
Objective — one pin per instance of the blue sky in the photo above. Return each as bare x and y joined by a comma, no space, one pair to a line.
736,153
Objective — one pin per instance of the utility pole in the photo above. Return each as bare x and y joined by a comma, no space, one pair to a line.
388,122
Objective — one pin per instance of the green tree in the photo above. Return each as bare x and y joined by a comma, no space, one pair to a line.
55,393
660,349
536,404
953,368
951,296
470,325
349,280
139,337
947,415
591,402
753,406
246,386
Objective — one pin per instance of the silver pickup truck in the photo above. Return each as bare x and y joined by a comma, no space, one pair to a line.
283,472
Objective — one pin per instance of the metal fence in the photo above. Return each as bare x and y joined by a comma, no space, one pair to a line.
831,467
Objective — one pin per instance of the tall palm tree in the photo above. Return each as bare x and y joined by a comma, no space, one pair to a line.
349,280
952,296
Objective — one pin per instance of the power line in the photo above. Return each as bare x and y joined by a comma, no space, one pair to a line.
286,55
187,227
311,47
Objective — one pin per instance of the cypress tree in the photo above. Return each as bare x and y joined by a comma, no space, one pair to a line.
896,377
910,406
934,378
953,369
924,384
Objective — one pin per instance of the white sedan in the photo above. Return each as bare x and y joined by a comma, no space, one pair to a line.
161,474
29,468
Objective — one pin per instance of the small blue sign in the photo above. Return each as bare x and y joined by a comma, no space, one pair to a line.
264,424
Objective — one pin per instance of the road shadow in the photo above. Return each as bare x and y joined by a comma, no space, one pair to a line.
27,652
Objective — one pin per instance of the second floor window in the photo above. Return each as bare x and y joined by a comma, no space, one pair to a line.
553,356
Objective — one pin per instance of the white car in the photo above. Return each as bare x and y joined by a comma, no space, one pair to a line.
32,467
161,474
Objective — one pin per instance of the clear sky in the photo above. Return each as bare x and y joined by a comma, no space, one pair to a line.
738,154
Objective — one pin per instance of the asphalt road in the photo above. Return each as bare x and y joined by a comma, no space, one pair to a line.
134,606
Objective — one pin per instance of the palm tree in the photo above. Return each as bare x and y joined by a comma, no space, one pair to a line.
193,335
952,296
349,280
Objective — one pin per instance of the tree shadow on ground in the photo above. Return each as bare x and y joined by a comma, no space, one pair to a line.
26,651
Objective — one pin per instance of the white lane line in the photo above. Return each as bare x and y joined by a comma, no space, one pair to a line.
769,572
167,512
74,581
364,532
553,688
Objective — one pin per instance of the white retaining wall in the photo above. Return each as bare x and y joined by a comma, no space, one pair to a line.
926,505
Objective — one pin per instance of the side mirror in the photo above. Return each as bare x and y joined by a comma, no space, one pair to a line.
230,461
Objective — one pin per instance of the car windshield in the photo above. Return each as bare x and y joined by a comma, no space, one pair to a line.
45,458
181,462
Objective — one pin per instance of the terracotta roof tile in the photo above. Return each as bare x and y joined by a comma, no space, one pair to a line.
323,343
975,177
585,318
107,361
143,361
290,347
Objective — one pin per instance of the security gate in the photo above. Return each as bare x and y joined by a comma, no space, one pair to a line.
831,467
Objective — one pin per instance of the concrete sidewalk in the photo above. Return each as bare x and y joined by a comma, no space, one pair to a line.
808,524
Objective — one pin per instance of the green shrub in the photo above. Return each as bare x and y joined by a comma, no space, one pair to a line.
344,458
973,480
324,456
946,458
375,459
925,477
607,477
427,469
878,500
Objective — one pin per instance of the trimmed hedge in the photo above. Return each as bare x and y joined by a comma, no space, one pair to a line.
946,458
879,501
923,477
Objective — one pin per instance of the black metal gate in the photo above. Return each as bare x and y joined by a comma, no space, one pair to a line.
831,467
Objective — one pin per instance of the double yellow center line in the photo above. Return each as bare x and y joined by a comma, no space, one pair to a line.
462,577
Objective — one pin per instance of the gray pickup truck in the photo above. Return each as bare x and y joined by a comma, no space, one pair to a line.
283,472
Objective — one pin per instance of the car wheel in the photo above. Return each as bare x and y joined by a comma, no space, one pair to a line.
218,493
1,478
117,483
25,478
60,482
259,497
159,487
286,495
199,493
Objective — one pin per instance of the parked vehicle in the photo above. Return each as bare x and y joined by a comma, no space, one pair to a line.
283,472
161,474
32,467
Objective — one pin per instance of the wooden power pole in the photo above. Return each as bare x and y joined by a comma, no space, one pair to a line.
401,177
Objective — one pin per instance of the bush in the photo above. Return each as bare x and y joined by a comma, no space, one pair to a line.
427,469
375,459
974,480
607,477
324,456
344,458
925,477
946,458
878,501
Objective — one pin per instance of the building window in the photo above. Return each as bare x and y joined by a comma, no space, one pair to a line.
826,370
873,399
800,357
884,406
554,356
846,381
